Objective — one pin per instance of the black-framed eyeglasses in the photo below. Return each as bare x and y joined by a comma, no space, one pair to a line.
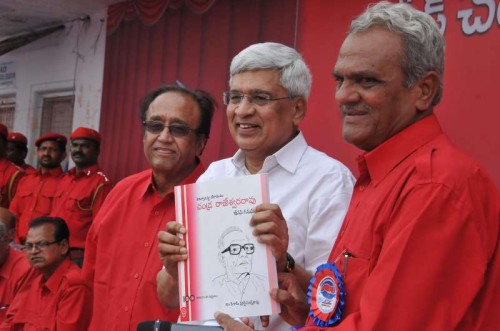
235,249
39,245
176,130
259,99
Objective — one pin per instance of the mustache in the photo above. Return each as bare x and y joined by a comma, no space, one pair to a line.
76,154
355,106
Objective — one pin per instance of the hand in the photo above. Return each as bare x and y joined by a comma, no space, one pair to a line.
171,250
229,323
294,305
170,247
271,229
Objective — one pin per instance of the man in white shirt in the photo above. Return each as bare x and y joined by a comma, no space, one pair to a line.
310,191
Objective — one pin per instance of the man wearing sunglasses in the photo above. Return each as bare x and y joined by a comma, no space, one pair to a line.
121,258
82,190
235,255
266,102
52,294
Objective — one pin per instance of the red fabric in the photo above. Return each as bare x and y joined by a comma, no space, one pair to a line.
150,11
192,48
28,169
78,199
422,229
62,303
121,258
10,273
35,193
9,177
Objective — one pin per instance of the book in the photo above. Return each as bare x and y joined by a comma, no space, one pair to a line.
227,269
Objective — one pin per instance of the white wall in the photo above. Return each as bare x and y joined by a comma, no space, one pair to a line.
65,61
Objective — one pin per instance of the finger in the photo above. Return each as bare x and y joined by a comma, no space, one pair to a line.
175,228
228,323
265,321
282,296
165,237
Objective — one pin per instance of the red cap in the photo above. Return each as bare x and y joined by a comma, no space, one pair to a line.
86,133
3,131
17,137
51,136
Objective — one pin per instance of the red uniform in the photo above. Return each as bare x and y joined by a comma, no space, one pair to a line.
62,303
422,233
10,273
34,196
78,199
9,176
27,169
122,258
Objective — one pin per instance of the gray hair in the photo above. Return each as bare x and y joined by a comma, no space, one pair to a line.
295,76
423,43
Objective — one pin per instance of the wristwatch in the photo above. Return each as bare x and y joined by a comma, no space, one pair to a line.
290,263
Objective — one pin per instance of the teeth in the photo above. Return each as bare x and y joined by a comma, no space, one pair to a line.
245,126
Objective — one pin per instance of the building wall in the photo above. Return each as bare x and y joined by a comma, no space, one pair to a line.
65,61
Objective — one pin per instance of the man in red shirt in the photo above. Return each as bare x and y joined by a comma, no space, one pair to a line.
13,264
51,296
82,190
9,172
419,246
121,258
17,149
36,191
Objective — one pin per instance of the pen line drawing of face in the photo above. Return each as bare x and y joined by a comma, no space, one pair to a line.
235,252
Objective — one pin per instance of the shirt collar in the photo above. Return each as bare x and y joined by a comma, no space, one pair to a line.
149,187
85,171
54,172
384,158
54,281
288,157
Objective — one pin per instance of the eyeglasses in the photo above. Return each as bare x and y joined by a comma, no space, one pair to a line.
259,99
176,130
39,245
235,249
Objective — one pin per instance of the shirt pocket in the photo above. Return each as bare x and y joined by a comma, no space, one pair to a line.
44,205
79,203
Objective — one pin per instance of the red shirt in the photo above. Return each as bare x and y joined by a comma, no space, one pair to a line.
9,176
62,303
422,230
10,273
34,196
121,255
78,199
27,169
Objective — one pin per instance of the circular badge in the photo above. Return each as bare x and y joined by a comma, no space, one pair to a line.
326,295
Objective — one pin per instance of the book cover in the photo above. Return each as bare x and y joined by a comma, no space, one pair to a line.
227,269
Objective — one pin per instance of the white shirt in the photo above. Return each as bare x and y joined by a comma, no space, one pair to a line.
313,191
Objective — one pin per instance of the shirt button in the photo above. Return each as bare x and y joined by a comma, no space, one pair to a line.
125,308
146,244
157,213
362,188
136,276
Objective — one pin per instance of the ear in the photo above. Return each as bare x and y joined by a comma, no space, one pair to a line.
200,144
426,88
299,110
221,258
64,247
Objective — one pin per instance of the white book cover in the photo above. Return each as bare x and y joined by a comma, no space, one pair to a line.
227,269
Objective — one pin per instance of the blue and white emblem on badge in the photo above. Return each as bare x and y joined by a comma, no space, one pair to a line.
326,295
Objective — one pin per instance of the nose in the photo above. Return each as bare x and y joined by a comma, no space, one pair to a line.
244,108
165,134
346,94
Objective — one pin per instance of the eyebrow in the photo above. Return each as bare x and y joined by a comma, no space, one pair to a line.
253,91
